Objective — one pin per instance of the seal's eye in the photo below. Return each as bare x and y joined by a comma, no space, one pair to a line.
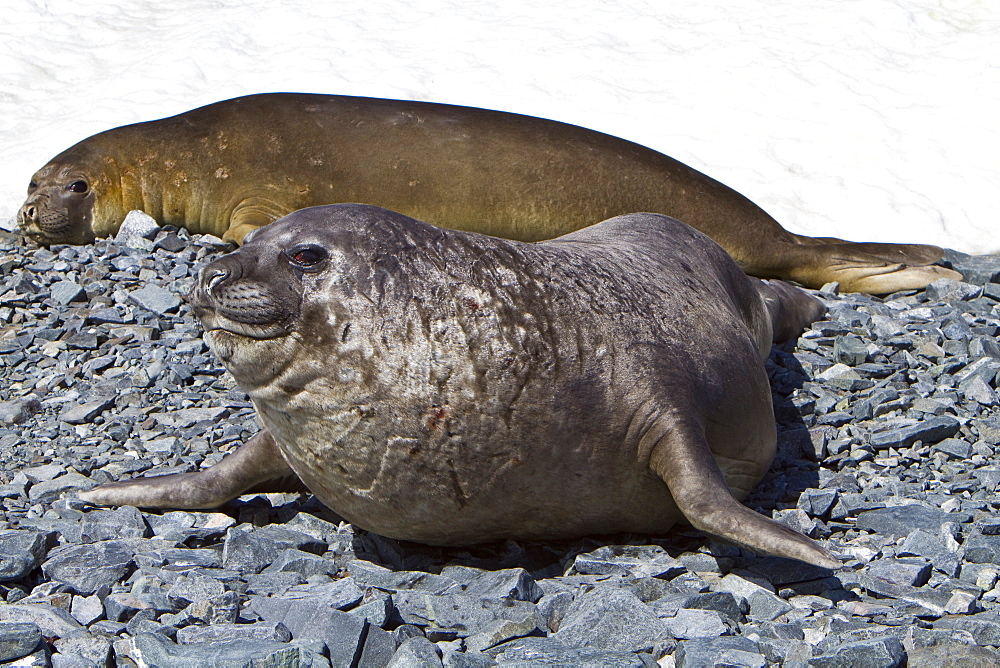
77,186
306,257
32,185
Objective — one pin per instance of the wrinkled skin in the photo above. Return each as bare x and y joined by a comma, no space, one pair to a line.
453,388
231,167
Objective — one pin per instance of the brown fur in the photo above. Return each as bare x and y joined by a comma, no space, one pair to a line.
236,165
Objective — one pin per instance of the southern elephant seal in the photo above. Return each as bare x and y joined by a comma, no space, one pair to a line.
233,166
451,388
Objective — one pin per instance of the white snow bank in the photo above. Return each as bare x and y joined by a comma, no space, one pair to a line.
865,119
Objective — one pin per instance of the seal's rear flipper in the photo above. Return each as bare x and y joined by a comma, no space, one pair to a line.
791,310
874,268
683,460
256,465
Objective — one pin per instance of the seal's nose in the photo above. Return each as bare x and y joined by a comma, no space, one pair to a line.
28,214
213,276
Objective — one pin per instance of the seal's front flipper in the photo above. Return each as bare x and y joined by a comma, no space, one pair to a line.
256,465
683,460
874,268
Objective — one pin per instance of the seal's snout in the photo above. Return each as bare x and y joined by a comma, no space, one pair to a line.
237,293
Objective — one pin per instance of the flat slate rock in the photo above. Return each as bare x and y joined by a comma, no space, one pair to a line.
153,651
552,652
900,521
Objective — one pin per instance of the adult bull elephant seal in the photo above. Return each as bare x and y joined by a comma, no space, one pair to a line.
451,388
233,166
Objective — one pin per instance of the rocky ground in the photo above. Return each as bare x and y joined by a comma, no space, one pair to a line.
889,431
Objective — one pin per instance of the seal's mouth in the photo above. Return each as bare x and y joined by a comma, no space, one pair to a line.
218,326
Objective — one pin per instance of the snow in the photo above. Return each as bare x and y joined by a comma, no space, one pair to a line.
864,119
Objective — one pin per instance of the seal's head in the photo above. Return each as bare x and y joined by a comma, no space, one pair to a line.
294,291
60,205
250,300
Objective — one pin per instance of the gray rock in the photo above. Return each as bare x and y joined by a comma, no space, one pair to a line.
952,655
985,368
284,538
845,378
903,572
18,640
765,606
931,602
125,522
980,549
155,299
467,659
552,608
635,561
230,632
978,390
955,448
416,652
976,269
461,615
178,558
920,543
377,648
303,563
946,289
719,652
552,652
66,292
87,609
18,410
123,606
900,521
20,553
510,583
85,413
501,630
86,568
613,619
153,651
247,552
221,609
310,620
885,652
340,594
927,431
54,622
691,623
371,575
984,626
849,350
137,225
376,612
190,588
188,417
982,346
87,649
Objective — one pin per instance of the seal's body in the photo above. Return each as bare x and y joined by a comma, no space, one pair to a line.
236,165
450,388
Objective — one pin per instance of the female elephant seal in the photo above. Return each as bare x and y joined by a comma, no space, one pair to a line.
233,166
451,388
